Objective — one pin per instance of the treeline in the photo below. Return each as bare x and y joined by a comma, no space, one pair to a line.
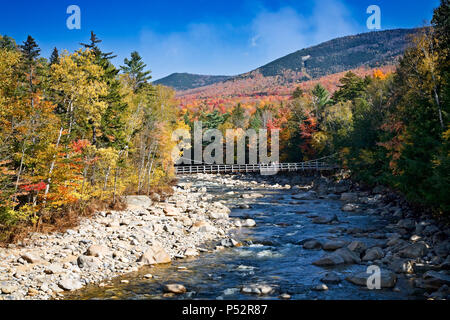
75,128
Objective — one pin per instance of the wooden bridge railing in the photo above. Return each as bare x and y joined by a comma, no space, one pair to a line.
262,168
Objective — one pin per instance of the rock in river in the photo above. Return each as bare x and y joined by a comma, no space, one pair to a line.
340,256
310,195
324,219
415,250
334,245
312,245
175,288
388,279
374,253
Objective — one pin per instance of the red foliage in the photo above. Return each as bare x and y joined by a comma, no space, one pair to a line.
34,187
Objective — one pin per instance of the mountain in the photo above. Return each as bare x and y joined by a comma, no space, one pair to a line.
186,81
367,50
371,49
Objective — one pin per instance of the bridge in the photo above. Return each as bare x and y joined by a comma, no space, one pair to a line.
267,169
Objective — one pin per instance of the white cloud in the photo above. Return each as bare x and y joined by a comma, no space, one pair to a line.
285,31
226,49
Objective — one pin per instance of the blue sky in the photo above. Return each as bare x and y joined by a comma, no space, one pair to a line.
203,36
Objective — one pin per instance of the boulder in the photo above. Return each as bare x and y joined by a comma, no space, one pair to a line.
415,250
30,258
7,287
155,255
259,289
138,202
401,266
97,250
202,226
388,279
171,211
331,277
373,254
88,262
334,245
407,224
320,287
340,256
175,288
325,219
54,268
350,207
191,252
249,223
69,284
435,279
357,247
312,245
310,195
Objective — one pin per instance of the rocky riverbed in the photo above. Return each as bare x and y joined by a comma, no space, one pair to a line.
284,237
113,243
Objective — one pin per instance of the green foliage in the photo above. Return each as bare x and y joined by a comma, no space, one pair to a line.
135,68
351,87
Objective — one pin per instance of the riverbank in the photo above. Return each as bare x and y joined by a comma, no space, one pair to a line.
411,250
112,243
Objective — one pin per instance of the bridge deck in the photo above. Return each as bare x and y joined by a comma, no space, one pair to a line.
261,168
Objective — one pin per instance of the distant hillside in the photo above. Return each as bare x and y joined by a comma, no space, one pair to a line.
371,50
186,81
367,50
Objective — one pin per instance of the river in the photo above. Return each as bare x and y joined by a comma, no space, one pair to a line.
271,254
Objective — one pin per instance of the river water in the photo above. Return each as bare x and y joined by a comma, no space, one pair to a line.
271,254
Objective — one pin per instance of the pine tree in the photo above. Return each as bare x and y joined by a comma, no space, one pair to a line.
94,47
135,69
238,116
113,120
30,50
54,58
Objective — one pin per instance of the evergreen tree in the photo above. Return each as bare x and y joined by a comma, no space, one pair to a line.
351,87
54,58
135,69
94,47
238,116
30,50
321,98
113,122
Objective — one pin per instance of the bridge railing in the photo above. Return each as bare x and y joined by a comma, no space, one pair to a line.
275,167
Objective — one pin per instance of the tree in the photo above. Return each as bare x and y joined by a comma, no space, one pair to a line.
30,50
351,87
320,99
7,43
94,47
298,93
135,69
238,118
54,58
